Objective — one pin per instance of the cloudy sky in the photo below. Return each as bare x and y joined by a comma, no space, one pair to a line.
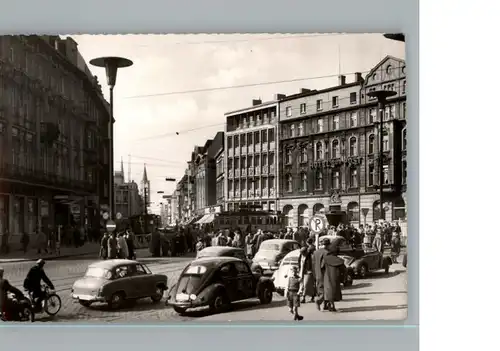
157,97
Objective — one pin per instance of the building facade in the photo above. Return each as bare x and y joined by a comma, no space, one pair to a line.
204,169
53,130
329,149
250,150
128,201
219,174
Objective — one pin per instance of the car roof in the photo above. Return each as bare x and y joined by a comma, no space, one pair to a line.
294,253
110,264
279,241
219,249
213,262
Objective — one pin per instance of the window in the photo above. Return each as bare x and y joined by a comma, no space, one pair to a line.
303,154
353,211
292,131
372,116
353,120
242,268
404,87
303,182
335,101
320,125
236,141
302,108
405,174
140,270
229,142
336,122
371,144
270,135
288,157
335,149
336,179
386,174
385,141
403,142
289,183
319,180
319,151
301,129
243,139
353,175
353,146
371,175
319,105
390,112
404,110
353,98
372,90
289,111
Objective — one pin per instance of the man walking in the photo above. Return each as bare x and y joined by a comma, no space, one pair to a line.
319,272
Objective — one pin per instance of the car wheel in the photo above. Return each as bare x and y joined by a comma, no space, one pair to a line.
116,300
363,271
179,310
219,303
85,303
266,295
158,294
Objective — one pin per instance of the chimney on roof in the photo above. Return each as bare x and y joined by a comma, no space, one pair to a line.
304,90
341,80
358,78
279,96
256,102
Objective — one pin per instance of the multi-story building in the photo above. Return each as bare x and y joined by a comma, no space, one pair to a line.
219,174
53,127
204,169
329,148
128,202
174,208
251,156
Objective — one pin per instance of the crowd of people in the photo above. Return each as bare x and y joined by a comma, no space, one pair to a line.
118,245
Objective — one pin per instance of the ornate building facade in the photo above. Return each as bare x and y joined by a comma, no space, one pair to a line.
329,149
251,146
53,127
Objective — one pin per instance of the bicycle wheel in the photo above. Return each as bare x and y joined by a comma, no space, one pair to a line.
52,304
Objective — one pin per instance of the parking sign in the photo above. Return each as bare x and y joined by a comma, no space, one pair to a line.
317,224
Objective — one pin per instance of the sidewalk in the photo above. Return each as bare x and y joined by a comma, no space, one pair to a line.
32,254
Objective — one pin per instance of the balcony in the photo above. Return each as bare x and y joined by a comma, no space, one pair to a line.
42,179
230,173
243,193
243,172
265,170
264,146
257,147
265,193
236,173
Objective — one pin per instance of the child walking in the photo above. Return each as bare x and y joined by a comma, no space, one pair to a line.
293,293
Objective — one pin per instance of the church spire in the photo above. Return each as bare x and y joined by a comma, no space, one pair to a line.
122,171
145,175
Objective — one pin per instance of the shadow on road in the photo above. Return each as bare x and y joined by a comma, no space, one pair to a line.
375,293
358,286
373,308
141,305
381,275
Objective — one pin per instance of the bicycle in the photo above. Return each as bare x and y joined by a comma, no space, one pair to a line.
51,302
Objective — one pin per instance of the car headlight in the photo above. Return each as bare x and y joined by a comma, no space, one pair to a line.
192,297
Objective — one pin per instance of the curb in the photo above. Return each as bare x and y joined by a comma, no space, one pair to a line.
45,258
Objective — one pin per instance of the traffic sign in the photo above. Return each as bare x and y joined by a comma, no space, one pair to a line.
110,226
118,215
105,215
317,224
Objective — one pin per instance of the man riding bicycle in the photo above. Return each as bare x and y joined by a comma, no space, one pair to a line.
33,280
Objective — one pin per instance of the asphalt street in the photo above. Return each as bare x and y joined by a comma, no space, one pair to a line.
380,296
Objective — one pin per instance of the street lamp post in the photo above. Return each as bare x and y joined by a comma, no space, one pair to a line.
111,64
382,96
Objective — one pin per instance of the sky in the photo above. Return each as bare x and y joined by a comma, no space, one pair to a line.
156,98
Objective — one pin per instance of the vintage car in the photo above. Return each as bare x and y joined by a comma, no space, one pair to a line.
338,241
364,261
227,251
280,276
272,251
115,281
216,282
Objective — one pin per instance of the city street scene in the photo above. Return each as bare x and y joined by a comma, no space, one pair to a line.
203,178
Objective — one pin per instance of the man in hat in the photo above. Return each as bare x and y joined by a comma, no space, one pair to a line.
33,281
319,272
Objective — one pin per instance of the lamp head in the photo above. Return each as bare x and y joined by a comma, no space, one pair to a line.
111,65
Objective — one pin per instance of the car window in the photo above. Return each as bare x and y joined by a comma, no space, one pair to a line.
295,246
140,270
228,271
287,247
242,268
123,272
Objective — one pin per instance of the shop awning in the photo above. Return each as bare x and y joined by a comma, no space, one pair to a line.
193,220
210,218
202,219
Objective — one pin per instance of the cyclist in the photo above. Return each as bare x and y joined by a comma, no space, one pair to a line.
33,280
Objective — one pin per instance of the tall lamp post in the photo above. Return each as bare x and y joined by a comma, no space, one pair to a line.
111,64
381,96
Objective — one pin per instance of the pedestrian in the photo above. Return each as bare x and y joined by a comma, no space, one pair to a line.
25,241
103,252
319,272
306,274
122,246
293,292
249,243
112,246
200,245
334,273
129,237
395,247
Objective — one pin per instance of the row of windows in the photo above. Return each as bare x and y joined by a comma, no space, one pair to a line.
250,161
260,136
252,119
257,184
353,99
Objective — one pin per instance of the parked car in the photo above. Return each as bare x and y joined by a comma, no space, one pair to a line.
227,251
272,251
339,241
363,262
115,281
280,276
216,282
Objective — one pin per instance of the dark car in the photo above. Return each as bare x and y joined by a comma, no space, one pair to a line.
114,281
272,251
216,282
228,251
363,262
